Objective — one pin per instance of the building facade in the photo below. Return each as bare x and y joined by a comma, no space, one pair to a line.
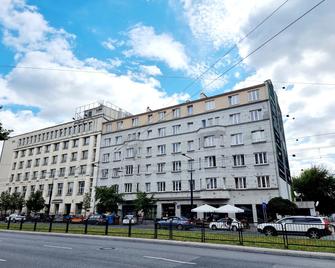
232,145
61,161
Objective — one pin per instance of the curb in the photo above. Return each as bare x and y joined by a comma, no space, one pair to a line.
280,252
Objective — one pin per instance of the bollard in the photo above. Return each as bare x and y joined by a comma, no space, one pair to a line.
129,228
155,230
86,223
67,225
203,240
240,234
50,225
106,227
170,230
21,222
8,224
35,223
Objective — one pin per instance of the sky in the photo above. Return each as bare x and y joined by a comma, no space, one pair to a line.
55,56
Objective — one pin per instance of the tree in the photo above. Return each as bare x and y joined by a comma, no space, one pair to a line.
35,202
316,184
87,202
144,203
281,206
4,133
16,202
108,199
4,201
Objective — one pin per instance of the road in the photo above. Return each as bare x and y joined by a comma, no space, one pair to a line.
35,250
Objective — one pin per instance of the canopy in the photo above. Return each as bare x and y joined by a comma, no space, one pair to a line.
229,209
204,208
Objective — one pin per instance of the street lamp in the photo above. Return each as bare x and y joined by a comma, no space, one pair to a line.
191,181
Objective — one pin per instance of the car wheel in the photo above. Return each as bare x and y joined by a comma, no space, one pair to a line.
158,226
270,231
180,227
214,227
313,234
234,228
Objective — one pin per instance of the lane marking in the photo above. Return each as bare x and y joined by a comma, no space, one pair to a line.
2,260
51,246
170,260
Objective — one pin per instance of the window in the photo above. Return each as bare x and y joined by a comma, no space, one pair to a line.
47,148
176,147
176,112
176,129
21,165
176,186
75,143
104,173
176,166
69,188
14,166
161,132
52,173
233,100
235,118
260,158
18,177
161,186
210,161
263,181
56,146
24,190
150,118
240,183
54,159
84,155
108,127
31,151
256,115
161,149
118,139
210,122
37,162
64,158
59,189
50,186
160,167
26,176
65,144
161,115
147,168
116,187
134,121
189,109
115,172
119,125
236,139
17,153
72,171
210,105
86,141
130,152
105,158
61,172
189,125
74,156
211,183
82,170
43,174
253,95
32,188
128,187
81,187
107,141
148,187
149,151
209,141
238,160
149,133
258,136
117,156
38,150
129,169
190,146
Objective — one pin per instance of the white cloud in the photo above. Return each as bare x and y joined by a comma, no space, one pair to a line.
151,70
110,44
144,42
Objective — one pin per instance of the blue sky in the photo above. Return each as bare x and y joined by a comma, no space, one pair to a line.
136,54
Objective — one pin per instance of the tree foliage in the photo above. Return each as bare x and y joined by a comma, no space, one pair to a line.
144,202
5,201
281,206
87,202
107,199
316,184
4,133
35,202
16,202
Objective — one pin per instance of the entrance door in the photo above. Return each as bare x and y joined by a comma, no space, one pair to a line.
168,210
67,209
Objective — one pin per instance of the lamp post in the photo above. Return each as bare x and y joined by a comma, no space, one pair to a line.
191,181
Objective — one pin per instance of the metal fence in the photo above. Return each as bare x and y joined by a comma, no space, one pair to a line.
313,237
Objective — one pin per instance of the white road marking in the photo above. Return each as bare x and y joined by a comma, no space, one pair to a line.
170,260
51,246
2,260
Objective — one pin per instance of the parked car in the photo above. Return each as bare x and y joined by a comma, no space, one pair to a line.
223,225
15,218
177,222
130,218
77,219
58,218
96,219
313,227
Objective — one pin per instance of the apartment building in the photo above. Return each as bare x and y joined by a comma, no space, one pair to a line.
233,146
61,161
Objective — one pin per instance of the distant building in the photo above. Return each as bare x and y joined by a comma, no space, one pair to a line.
234,146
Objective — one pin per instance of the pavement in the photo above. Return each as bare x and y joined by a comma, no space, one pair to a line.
23,249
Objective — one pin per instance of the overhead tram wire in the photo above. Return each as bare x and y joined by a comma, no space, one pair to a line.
265,43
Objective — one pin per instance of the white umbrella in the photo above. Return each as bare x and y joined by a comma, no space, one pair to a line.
229,209
204,208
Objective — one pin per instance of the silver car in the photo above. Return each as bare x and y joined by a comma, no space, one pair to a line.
15,218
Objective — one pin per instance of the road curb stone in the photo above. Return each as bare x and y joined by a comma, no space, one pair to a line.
281,252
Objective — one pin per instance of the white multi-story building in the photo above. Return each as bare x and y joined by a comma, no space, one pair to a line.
61,161
233,146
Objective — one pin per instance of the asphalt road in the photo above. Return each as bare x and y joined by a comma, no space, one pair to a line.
34,250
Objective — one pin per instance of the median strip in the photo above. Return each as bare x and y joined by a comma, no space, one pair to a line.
51,246
169,260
